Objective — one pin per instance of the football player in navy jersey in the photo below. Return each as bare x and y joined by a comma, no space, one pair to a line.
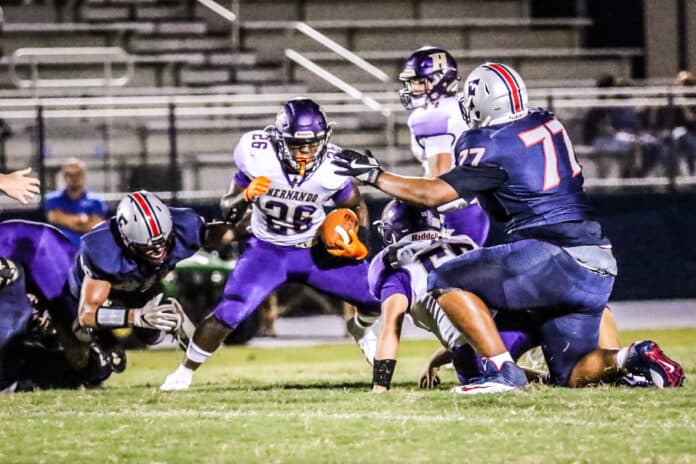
118,271
556,261
286,178
430,90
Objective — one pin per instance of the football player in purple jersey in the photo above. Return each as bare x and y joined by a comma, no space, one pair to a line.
556,261
285,176
430,90
35,259
398,277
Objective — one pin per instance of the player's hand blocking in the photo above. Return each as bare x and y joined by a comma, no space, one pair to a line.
364,167
165,316
257,187
354,249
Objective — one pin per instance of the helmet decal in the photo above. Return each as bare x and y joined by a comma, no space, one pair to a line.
404,221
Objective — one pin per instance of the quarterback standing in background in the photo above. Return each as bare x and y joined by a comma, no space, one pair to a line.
285,174
430,86
556,262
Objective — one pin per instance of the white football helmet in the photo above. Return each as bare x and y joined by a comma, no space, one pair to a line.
494,93
146,226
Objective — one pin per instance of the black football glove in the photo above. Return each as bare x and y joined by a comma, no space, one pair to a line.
363,167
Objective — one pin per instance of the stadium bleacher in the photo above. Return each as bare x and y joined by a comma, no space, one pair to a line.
179,47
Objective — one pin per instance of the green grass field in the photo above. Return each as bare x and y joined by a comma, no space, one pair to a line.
308,405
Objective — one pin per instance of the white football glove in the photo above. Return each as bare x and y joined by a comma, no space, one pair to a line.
165,316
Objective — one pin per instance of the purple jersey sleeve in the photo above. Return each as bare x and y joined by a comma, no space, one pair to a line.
344,193
428,123
242,179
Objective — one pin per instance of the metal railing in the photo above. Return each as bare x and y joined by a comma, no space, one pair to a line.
170,116
228,15
105,56
327,42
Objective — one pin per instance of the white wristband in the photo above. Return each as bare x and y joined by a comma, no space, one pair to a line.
112,317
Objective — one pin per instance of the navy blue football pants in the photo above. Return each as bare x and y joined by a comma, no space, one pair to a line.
565,298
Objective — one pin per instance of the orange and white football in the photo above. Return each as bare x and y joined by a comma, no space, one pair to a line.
336,225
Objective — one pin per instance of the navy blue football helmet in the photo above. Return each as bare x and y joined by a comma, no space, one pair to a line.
300,123
433,66
400,219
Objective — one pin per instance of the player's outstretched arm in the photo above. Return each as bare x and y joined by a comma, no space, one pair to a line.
422,191
155,314
92,296
393,310
19,185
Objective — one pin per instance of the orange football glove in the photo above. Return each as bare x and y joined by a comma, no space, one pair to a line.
354,250
259,186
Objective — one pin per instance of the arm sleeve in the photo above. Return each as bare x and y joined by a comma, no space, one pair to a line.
189,228
242,179
470,180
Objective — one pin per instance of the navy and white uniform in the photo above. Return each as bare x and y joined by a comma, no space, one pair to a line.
104,256
556,263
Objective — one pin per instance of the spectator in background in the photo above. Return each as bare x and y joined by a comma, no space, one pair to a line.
677,125
74,210
618,133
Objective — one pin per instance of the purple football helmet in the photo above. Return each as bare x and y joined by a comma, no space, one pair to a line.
436,68
402,220
301,135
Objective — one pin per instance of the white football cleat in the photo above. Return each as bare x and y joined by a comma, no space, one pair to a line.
178,380
365,337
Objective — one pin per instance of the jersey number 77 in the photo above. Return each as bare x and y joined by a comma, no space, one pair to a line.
546,134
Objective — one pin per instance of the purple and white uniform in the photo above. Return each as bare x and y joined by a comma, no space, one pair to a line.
408,276
435,130
284,224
